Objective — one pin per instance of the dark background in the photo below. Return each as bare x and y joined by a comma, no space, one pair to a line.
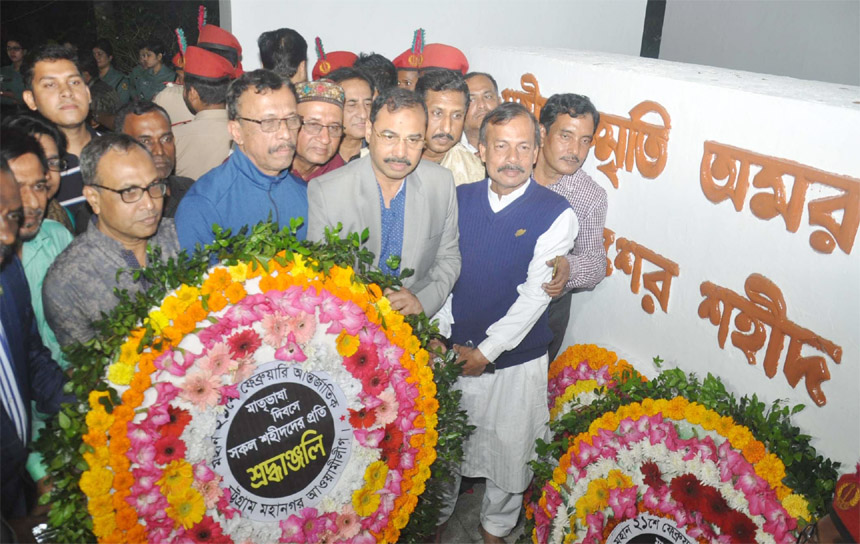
123,22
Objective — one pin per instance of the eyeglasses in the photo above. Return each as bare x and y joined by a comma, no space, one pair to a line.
391,139
130,195
809,534
314,129
293,122
57,165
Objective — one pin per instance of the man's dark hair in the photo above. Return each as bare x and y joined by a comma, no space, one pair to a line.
87,63
94,151
34,124
210,91
441,80
379,69
136,107
153,44
282,51
503,114
104,45
17,143
50,53
575,105
260,80
395,99
348,72
470,75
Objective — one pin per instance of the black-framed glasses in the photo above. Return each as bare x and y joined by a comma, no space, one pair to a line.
809,534
57,164
293,122
315,129
130,195
391,139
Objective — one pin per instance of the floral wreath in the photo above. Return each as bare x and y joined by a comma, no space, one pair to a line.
262,336
712,470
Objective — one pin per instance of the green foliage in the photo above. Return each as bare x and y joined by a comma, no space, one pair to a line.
807,472
61,441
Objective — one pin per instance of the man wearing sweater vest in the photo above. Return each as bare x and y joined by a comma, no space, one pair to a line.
496,316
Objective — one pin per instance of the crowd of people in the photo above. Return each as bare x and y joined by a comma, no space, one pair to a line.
487,204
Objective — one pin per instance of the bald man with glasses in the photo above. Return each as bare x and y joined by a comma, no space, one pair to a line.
126,193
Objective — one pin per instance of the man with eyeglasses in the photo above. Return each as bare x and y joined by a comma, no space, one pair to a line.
204,143
126,194
254,184
409,206
321,110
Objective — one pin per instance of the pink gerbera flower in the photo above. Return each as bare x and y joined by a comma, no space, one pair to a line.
387,411
374,382
276,326
244,343
218,360
303,326
290,351
347,523
201,390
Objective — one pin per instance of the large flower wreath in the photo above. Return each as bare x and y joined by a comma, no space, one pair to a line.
275,397
717,470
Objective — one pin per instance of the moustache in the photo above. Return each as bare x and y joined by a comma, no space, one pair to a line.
405,161
276,148
443,136
573,158
513,167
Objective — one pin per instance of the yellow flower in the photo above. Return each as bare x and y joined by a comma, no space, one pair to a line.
177,476
694,413
299,267
99,420
711,420
98,458
384,306
187,295
598,490
157,320
347,344
104,525
617,479
412,345
120,374
101,505
375,475
239,272
186,506
796,506
771,469
96,482
171,307
128,353
365,501
95,396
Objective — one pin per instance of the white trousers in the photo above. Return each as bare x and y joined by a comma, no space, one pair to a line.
500,510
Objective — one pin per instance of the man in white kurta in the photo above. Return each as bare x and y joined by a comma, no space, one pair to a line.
510,227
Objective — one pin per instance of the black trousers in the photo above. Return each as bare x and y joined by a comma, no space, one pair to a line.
559,315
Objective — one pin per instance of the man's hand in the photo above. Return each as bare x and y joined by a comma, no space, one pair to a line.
562,270
404,301
475,360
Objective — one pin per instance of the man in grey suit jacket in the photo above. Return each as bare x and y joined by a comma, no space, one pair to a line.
408,205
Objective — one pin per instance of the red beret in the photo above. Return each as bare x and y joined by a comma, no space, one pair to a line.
206,64
846,505
435,55
331,62
214,35
178,61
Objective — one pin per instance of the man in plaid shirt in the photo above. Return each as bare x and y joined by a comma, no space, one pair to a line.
568,123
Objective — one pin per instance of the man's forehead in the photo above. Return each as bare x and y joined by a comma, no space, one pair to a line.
355,87
55,68
267,98
27,167
386,117
449,96
9,191
149,122
116,164
478,84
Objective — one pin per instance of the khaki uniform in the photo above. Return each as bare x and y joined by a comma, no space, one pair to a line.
202,144
171,100
465,166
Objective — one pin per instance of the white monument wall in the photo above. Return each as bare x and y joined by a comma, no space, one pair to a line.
813,124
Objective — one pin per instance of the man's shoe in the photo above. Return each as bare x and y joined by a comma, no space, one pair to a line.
488,538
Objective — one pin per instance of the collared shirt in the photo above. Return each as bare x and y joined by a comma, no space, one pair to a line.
120,84
37,255
469,147
587,259
333,164
237,194
80,285
12,81
202,144
463,164
393,218
170,98
147,84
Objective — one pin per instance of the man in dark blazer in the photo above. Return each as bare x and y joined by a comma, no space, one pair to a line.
27,371
409,206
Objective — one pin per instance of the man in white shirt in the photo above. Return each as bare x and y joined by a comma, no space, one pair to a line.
496,317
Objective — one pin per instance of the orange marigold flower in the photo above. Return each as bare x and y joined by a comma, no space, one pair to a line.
141,382
137,535
218,280
217,301
133,397
122,481
754,451
126,518
196,311
146,364
235,292
185,323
